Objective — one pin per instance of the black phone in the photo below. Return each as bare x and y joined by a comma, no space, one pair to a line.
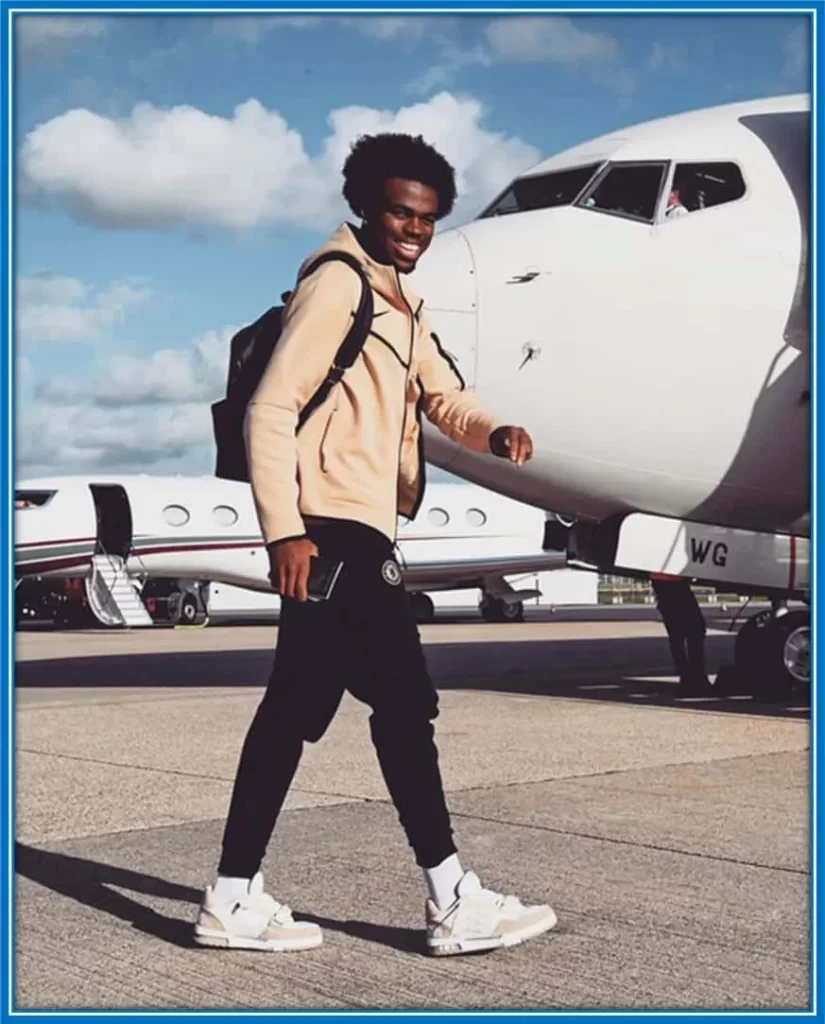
323,575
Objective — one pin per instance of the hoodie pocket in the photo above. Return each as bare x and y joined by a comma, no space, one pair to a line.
326,444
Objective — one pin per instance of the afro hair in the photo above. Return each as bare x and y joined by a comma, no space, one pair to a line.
375,158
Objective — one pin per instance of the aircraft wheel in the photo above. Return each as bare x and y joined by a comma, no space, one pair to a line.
423,606
512,612
188,614
495,610
796,650
773,654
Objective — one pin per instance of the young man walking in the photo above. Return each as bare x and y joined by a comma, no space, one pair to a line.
335,489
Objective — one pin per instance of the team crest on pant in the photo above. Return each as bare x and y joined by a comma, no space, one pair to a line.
391,572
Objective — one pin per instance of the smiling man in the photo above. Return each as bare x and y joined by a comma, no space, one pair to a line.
335,490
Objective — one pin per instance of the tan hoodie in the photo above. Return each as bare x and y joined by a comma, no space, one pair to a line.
359,455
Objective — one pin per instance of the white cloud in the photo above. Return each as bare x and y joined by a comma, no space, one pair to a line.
160,168
452,60
168,376
252,29
668,57
551,37
74,438
796,57
51,31
616,78
46,288
544,38
52,307
400,27
23,368
136,412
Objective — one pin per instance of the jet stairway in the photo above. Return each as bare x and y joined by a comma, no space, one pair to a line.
113,594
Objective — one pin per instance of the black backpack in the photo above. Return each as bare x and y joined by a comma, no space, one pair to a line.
249,353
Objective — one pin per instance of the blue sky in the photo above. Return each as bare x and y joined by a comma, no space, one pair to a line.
173,171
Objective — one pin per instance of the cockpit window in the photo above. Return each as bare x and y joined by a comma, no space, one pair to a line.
32,499
543,191
627,190
700,186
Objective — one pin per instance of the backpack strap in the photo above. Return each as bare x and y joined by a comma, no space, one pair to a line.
351,346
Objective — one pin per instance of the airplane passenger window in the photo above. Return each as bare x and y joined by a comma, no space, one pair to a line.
627,190
224,515
475,517
700,186
438,517
542,191
176,515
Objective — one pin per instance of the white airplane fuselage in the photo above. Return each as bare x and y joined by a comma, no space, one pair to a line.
660,364
205,528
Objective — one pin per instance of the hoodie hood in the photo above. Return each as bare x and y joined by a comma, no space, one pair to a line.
383,277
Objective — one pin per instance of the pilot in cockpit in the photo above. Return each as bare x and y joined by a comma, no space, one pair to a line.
675,206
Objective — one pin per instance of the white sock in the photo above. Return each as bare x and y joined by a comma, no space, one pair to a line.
227,888
443,879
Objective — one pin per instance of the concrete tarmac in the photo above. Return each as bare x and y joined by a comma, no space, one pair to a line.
670,834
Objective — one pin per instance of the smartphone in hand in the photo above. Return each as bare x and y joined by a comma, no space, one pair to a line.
323,575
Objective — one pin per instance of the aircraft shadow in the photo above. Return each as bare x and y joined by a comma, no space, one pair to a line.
633,670
780,406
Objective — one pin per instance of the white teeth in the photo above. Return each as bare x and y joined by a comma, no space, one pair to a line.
411,250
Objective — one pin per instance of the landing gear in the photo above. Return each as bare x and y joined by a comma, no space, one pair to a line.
493,609
772,653
423,606
796,652
188,613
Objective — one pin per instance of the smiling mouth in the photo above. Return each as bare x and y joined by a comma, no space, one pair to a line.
409,250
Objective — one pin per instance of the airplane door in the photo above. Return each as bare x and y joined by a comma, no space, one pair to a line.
451,311
114,519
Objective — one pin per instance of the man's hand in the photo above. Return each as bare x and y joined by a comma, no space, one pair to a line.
289,566
513,443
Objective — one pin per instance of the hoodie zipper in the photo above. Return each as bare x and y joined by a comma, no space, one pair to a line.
406,389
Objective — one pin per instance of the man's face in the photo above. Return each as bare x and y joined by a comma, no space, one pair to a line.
403,226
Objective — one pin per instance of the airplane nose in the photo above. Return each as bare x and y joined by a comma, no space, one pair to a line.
445,279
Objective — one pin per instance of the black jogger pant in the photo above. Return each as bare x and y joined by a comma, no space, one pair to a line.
363,639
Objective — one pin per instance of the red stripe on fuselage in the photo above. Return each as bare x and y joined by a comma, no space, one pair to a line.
221,546
54,541
50,564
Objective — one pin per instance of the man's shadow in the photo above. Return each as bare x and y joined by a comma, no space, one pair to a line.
90,883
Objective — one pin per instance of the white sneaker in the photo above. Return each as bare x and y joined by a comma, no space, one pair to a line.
255,921
482,919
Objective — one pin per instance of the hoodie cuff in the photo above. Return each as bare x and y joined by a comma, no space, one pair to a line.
285,540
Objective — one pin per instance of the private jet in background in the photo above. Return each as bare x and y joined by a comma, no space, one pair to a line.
660,362
118,532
